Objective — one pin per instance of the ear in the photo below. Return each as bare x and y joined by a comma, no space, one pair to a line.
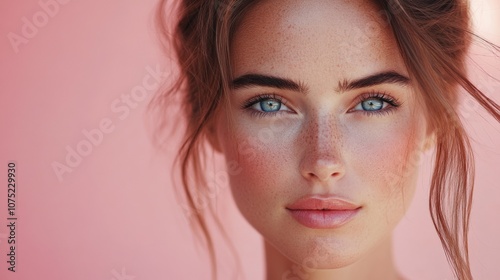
430,141
212,134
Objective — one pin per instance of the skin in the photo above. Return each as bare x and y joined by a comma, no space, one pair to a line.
322,142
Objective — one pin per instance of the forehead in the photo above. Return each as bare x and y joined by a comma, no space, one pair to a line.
334,37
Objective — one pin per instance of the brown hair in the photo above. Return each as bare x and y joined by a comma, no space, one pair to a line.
433,38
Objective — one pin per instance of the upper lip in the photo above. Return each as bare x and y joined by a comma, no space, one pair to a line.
322,203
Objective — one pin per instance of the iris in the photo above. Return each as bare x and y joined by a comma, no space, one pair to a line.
270,105
372,104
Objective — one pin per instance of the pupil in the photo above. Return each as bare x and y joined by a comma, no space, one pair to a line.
270,106
372,104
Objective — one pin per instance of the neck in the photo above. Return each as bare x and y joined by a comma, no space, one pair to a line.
377,265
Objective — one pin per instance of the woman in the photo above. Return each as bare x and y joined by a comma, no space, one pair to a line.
320,109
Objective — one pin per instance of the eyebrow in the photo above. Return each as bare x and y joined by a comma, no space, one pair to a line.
249,80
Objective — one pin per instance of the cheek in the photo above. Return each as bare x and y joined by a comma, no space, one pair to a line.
376,154
385,160
264,171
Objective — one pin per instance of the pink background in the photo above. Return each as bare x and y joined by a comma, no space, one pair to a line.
115,214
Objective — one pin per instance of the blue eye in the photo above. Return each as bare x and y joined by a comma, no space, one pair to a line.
372,104
269,105
376,102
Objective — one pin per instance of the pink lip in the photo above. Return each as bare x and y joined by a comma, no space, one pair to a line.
322,212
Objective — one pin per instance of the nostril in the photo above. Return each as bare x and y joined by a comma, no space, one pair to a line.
321,170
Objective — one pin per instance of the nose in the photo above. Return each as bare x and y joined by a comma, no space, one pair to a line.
322,143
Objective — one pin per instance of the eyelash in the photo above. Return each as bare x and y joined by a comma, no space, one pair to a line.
393,103
263,97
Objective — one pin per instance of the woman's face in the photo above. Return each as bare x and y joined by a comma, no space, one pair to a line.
327,157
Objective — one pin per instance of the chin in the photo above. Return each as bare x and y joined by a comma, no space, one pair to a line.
338,262
327,262
321,253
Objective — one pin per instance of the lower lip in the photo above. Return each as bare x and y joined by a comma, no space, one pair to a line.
323,219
